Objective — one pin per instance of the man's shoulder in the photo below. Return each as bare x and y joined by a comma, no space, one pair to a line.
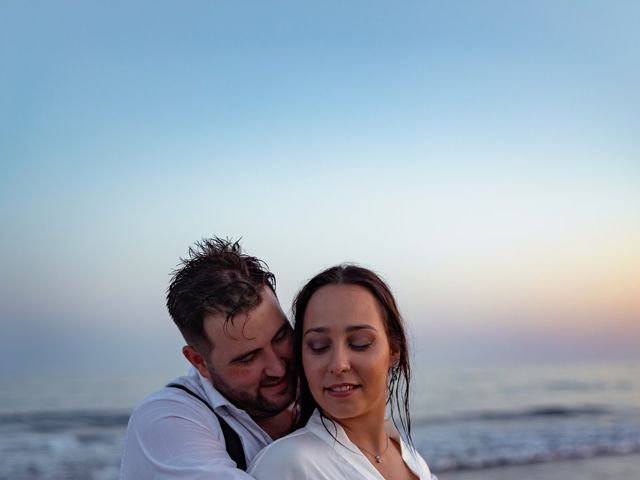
169,430
170,402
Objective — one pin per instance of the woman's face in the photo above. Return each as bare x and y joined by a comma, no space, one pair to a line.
345,353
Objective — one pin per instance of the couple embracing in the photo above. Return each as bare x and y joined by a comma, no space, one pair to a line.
265,401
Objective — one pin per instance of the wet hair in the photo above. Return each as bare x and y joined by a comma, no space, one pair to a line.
400,374
216,278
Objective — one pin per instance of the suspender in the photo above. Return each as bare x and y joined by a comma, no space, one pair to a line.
231,438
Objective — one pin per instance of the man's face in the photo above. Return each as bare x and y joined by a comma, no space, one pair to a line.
251,359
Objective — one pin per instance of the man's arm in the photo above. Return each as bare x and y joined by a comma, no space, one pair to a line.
176,441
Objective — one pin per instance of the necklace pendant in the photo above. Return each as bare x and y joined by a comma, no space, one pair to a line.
377,457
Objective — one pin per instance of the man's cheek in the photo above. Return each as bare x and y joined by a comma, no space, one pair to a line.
286,350
243,375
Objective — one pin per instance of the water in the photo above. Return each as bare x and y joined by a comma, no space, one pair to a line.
463,419
67,427
479,418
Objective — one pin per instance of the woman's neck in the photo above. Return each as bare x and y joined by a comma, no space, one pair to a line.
367,433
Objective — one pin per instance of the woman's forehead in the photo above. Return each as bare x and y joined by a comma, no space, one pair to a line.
343,306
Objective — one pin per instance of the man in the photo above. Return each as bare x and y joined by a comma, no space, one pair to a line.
239,344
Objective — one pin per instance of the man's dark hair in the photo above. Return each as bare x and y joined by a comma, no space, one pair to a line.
215,278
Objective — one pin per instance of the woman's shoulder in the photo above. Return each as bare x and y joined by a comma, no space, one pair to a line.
298,456
299,441
298,445
411,457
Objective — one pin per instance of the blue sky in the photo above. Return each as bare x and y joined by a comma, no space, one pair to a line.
483,156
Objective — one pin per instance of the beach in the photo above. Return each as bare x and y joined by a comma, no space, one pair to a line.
619,467
536,422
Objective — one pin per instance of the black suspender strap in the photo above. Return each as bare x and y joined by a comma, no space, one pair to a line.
231,438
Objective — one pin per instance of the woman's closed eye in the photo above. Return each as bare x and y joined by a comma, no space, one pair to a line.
357,344
318,346
360,344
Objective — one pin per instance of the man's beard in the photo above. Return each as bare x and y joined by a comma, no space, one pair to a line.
254,403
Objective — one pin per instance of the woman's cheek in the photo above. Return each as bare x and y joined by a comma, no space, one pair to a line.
311,371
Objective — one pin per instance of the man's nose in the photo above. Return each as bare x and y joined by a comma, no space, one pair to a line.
339,362
275,366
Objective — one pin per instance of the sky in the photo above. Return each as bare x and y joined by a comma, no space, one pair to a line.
483,157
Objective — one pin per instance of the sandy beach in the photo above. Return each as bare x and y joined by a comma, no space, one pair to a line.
625,467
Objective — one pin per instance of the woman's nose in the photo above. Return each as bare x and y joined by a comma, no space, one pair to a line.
339,361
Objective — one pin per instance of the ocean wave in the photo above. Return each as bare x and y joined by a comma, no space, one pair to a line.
530,413
51,422
444,464
480,440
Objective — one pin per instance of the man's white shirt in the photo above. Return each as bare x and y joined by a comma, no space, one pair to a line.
172,435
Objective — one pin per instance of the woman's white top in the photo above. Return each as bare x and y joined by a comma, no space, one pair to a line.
322,451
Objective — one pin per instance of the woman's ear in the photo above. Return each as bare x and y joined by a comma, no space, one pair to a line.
394,358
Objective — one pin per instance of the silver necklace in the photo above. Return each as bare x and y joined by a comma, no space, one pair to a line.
378,457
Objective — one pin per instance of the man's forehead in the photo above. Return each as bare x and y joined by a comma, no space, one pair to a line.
237,329
245,328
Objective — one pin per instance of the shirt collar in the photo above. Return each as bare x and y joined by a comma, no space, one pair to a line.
203,387
332,433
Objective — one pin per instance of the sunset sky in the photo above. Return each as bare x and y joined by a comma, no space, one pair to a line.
484,157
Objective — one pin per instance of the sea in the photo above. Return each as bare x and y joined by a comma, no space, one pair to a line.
463,418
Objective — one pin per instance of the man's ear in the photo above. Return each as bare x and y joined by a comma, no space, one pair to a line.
196,359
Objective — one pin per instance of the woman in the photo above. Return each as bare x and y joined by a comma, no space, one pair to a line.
350,341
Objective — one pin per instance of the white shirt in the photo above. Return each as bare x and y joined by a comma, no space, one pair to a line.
172,435
318,453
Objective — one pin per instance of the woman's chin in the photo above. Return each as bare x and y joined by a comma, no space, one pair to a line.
340,413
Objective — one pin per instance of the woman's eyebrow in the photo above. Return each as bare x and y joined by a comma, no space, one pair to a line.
317,330
350,328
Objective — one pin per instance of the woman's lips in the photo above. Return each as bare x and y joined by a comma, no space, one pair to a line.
341,389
